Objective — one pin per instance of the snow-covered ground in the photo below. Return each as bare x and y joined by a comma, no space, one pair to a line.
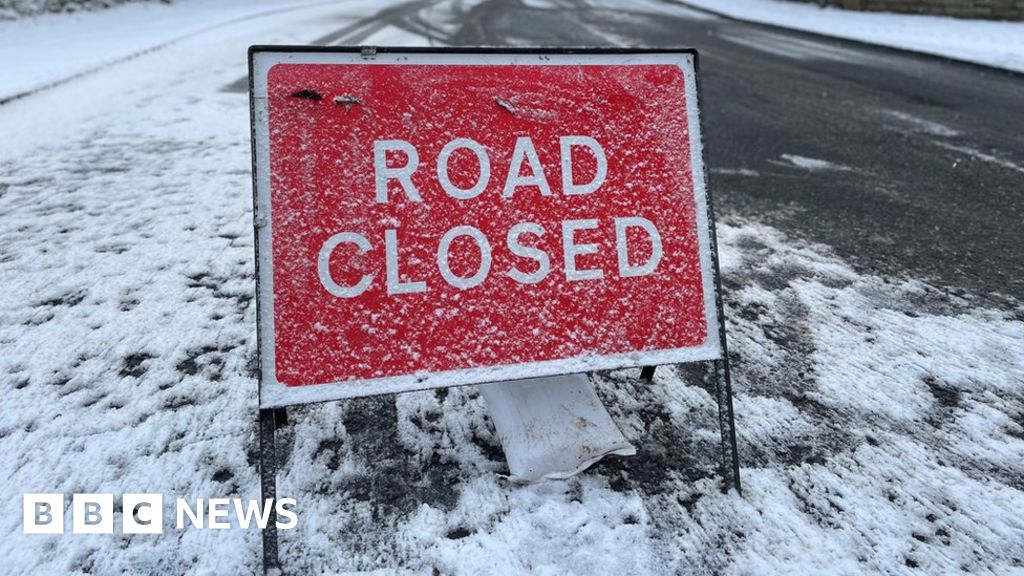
881,420
999,44
12,9
43,50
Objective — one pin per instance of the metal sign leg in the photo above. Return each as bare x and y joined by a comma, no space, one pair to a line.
730,464
269,421
727,425
647,373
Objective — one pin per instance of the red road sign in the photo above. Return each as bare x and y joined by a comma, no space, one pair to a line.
434,219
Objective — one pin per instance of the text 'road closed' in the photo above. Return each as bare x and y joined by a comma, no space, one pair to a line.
534,264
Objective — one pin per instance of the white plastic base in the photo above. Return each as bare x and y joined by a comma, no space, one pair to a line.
552,428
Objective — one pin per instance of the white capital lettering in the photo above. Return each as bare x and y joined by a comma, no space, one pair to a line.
382,172
283,512
252,510
485,257
524,150
572,250
627,270
442,169
218,508
569,186
323,265
195,517
394,279
527,252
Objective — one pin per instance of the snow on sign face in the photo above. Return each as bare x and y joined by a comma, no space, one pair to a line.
428,219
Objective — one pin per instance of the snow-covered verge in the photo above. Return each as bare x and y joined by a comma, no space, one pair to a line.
881,420
880,429
999,44
11,9
40,51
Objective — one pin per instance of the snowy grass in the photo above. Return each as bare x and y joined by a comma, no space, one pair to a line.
881,420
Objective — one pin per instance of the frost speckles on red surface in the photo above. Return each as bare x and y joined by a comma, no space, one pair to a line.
322,166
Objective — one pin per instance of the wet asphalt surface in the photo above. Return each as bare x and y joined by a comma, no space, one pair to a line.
927,154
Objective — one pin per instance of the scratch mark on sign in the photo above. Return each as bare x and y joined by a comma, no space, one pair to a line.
506,105
308,95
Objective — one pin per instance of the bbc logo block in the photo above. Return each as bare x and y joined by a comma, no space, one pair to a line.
43,513
144,513
93,513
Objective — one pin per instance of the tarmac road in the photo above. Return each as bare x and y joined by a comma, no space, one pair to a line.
923,157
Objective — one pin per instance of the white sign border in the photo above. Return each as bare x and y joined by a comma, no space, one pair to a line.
273,394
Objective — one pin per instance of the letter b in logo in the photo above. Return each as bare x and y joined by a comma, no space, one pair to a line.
43,513
92,513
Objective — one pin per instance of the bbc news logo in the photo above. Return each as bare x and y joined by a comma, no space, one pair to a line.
144,513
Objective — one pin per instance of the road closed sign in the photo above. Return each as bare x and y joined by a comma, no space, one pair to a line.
429,218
